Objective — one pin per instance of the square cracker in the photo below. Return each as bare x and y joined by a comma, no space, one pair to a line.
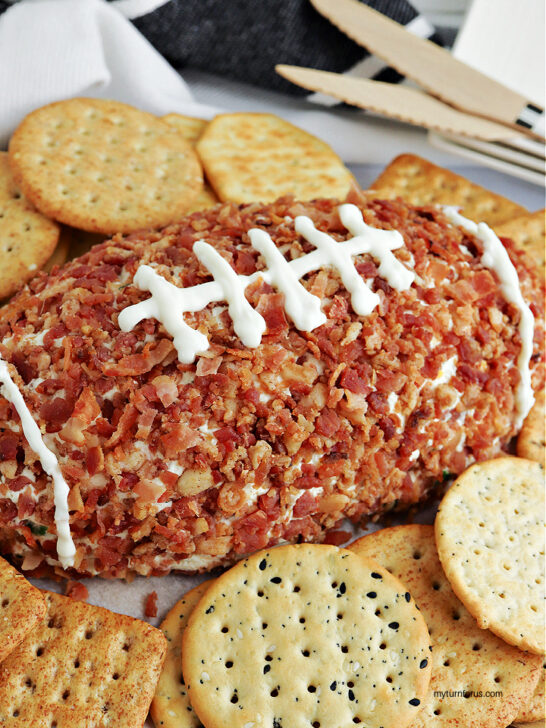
420,182
528,232
21,608
82,666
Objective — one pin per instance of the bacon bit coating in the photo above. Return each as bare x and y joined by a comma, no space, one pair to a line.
184,467
150,607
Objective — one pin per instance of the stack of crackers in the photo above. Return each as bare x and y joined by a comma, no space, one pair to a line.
82,169
413,625
67,664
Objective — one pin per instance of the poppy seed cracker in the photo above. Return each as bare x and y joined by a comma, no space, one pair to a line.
306,635
470,666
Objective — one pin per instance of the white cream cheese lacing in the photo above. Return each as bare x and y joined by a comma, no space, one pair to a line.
497,259
65,545
168,302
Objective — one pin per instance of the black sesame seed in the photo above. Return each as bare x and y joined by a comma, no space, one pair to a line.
407,596
394,625
210,610
423,664
342,588
415,702
375,575
262,565
351,695
267,668
276,580
333,685
372,595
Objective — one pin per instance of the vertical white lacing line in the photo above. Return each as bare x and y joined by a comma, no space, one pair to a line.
302,307
168,303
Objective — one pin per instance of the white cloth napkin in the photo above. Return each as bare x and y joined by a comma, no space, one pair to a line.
57,49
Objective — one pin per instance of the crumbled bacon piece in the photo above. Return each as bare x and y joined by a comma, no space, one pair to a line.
76,590
150,607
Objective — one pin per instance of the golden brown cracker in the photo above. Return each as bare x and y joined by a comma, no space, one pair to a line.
293,636
191,130
420,182
171,704
531,440
81,666
260,157
466,660
188,126
22,606
490,539
535,709
27,238
103,166
528,232
61,252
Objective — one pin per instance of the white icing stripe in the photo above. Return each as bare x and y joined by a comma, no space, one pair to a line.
497,259
247,323
379,244
168,302
302,307
65,545
363,300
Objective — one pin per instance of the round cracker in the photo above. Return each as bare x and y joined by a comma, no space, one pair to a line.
251,157
531,441
293,637
466,661
171,704
27,238
103,166
535,709
490,539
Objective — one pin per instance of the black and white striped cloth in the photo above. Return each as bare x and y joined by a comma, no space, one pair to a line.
244,39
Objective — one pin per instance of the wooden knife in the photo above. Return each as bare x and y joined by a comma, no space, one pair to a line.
398,102
432,67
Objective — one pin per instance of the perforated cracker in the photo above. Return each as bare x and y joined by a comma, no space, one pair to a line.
528,232
103,166
422,183
188,127
171,704
260,157
21,608
81,666
304,636
531,440
27,238
490,539
477,679
535,709
191,130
